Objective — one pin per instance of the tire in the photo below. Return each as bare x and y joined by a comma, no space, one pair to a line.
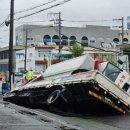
53,97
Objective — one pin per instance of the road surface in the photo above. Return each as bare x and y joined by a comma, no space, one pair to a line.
14,117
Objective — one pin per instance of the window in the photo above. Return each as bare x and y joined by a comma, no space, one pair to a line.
125,40
111,71
126,87
116,40
5,55
72,40
3,67
64,40
46,39
43,53
1,55
28,38
84,40
104,58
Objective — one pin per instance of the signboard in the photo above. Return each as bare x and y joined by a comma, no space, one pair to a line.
128,22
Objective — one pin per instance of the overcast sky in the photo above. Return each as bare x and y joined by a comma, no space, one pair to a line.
74,10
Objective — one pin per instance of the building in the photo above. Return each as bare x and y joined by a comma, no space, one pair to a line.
37,35
89,35
36,58
4,58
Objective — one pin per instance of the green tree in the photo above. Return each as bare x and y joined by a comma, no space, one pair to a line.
76,50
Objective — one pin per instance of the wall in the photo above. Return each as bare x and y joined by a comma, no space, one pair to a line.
90,31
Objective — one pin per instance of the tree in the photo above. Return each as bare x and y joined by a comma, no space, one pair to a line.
76,50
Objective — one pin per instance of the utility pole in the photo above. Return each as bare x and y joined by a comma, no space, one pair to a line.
122,28
11,42
59,30
122,34
59,36
25,56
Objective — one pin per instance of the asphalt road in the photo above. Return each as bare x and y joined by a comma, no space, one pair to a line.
100,122
13,117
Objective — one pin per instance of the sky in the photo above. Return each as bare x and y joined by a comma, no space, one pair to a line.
74,12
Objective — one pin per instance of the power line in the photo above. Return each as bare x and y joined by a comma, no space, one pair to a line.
1,24
43,9
62,20
32,21
88,20
105,20
67,21
35,7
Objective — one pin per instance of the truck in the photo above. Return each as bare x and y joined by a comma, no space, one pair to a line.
79,84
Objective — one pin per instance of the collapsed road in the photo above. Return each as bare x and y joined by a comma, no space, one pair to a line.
41,119
96,87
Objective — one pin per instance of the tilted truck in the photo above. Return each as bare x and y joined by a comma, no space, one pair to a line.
80,83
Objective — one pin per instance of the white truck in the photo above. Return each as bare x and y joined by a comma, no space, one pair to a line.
79,83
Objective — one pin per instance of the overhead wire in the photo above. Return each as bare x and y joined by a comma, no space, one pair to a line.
35,7
88,21
2,24
32,21
42,9
104,20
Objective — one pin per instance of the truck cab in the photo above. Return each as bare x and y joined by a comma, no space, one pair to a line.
118,76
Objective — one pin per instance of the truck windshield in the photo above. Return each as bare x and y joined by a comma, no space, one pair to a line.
111,71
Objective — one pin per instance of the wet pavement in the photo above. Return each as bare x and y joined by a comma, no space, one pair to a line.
100,122
22,119
14,117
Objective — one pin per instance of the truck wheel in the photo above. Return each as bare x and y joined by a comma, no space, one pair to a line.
53,97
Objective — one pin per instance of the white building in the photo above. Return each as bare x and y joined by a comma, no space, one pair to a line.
36,58
89,35
39,57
